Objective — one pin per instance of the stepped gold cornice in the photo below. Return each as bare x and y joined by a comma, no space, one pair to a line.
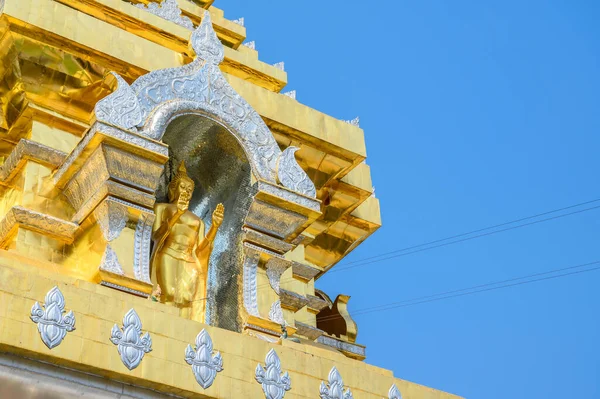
33,19
332,150
175,37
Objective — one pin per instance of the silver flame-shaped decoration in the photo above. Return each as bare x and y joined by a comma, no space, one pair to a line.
132,345
274,384
121,108
394,393
291,175
335,388
204,364
52,324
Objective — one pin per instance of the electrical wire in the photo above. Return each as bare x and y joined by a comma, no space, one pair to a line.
474,231
360,263
353,266
473,290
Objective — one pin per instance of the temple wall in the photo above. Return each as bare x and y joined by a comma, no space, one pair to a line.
97,309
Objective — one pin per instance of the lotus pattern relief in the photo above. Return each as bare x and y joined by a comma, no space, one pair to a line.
52,324
204,364
335,388
274,384
132,345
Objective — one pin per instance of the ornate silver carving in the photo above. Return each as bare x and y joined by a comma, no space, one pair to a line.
120,108
205,42
250,284
199,87
335,388
239,21
1,7
343,346
205,364
394,393
52,324
290,94
292,176
275,268
354,122
141,247
251,45
280,65
289,195
169,10
110,261
125,289
132,345
112,218
274,384
276,313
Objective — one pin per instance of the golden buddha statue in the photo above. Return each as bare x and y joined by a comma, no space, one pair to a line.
182,250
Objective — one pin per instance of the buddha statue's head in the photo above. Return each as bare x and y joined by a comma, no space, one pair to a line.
181,188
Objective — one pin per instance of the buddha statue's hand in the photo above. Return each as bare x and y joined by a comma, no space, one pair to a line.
218,215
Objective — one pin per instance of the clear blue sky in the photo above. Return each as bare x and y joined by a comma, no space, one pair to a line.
475,113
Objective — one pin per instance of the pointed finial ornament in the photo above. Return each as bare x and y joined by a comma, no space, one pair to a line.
280,65
239,21
394,393
205,42
205,364
52,324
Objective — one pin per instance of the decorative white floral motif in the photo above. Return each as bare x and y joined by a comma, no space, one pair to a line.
251,45
335,388
280,65
354,122
204,364
52,325
239,21
394,393
132,345
276,313
292,176
274,384
169,10
120,108
290,94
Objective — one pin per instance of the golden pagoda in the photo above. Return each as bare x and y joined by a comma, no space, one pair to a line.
165,211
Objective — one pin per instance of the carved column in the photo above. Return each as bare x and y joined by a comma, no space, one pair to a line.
277,215
110,179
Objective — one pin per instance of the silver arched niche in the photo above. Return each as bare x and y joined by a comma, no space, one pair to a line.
219,166
232,156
